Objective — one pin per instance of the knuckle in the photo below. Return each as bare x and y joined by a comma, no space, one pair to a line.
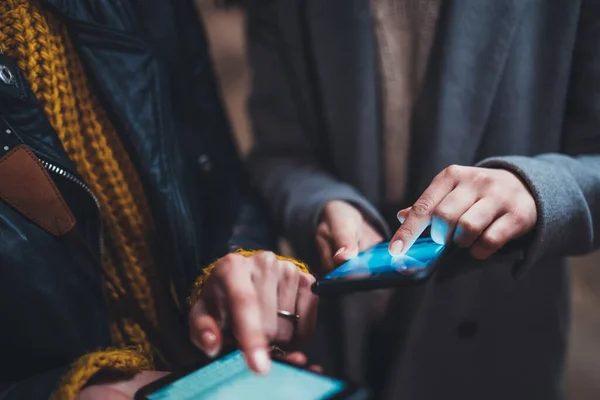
482,179
519,217
228,269
423,206
266,257
453,171
405,232
323,229
468,226
229,260
444,214
306,280
492,240
222,270
288,271
264,262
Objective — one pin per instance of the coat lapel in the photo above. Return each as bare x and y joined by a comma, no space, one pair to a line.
465,69
341,36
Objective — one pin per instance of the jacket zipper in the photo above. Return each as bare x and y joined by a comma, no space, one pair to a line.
145,323
54,169
71,177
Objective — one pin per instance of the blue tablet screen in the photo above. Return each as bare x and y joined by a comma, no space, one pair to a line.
229,378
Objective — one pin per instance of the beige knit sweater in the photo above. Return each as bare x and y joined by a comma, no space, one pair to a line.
404,31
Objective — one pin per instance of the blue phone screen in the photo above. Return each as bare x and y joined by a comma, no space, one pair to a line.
229,378
377,261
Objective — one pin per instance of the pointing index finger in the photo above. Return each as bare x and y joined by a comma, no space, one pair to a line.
245,315
420,214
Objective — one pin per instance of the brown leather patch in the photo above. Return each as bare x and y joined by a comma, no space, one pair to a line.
27,187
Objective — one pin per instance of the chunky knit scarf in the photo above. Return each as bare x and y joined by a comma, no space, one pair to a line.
40,44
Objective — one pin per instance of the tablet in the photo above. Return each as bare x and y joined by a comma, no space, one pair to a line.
229,378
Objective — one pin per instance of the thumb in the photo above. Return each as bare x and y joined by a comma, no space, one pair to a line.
344,236
346,245
205,332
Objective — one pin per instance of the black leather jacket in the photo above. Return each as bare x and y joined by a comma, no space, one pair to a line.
149,62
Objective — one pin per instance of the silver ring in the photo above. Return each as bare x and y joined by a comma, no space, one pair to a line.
288,315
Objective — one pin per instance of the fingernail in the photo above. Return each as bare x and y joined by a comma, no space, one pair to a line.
396,248
340,251
261,361
209,344
352,254
400,217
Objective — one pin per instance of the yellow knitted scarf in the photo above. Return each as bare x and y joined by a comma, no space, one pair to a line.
41,46
43,51
40,43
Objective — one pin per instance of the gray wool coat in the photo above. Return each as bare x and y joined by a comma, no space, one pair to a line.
512,84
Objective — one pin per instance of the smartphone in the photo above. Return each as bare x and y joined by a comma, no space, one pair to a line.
375,268
229,378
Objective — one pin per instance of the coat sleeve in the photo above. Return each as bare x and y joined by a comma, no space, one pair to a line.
285,164
566,186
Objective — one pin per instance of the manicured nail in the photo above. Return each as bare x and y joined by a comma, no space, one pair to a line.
209,344
396,248
400,217
261,361
340,251
351,254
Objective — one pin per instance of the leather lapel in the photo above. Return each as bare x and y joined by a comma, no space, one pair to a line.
465,69
343,45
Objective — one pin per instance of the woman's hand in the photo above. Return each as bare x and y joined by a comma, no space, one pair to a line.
245,294
343,233
481,209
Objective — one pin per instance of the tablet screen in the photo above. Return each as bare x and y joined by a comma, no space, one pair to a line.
229,378
377,262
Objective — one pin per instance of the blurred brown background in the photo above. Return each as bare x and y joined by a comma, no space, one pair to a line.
226,34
